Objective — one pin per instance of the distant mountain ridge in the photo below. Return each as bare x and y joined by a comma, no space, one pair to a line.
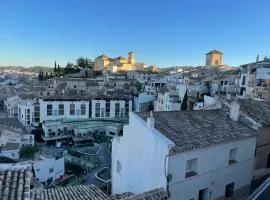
35,69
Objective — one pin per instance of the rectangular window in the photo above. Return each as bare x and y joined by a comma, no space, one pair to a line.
126,108
117,109
122,112
72,109
36,113
97,111
102,112
83,109
108,105
49,110
191,167
118,166
51,170
244,80
229,190
61,109
232,156
216,62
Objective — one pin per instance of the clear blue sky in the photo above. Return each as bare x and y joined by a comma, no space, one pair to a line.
161,32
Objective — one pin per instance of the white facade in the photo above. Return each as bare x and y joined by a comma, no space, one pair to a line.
138,158
46,168
52,110
11,106
171,99
27,113
110,108
142,98
213,170
141,162
13,154
17,137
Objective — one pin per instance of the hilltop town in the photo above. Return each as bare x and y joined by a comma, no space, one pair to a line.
114,128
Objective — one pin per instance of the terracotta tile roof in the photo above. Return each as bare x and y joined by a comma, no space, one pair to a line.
15,184
214,52
191,130
90,192
257,110
79,192
157,194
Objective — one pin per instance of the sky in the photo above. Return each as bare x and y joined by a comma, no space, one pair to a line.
164,33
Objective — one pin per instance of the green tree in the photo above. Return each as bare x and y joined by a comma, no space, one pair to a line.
28,151
69,69
55,70
85,62
138,86
4,159
184,102
46,75
58,69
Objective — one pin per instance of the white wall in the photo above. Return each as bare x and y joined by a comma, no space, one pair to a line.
142,152
23,107
112,107
42,168
13,154
142,98
55,104
213,170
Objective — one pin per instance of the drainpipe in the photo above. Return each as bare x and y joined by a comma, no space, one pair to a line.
167,176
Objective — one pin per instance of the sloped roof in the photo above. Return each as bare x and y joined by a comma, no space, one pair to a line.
157,194
15,183
79,192
257,110
191,130
91,192
214,52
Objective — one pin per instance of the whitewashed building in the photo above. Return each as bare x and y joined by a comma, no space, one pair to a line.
11,150
169,98
11,105
143,101
192,155
28,112
62,107
111,106
48,168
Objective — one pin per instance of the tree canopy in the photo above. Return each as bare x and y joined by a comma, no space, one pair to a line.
85,62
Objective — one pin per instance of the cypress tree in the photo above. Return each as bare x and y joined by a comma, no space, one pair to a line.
184,102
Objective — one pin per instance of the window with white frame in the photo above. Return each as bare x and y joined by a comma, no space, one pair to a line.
97,111
102,112
49,110
72,109
61,109
191,167
83,109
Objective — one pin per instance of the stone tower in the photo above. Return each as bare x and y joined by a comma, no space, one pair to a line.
131,58
214,58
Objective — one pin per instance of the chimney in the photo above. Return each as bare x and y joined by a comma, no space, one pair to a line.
235,110
151,120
